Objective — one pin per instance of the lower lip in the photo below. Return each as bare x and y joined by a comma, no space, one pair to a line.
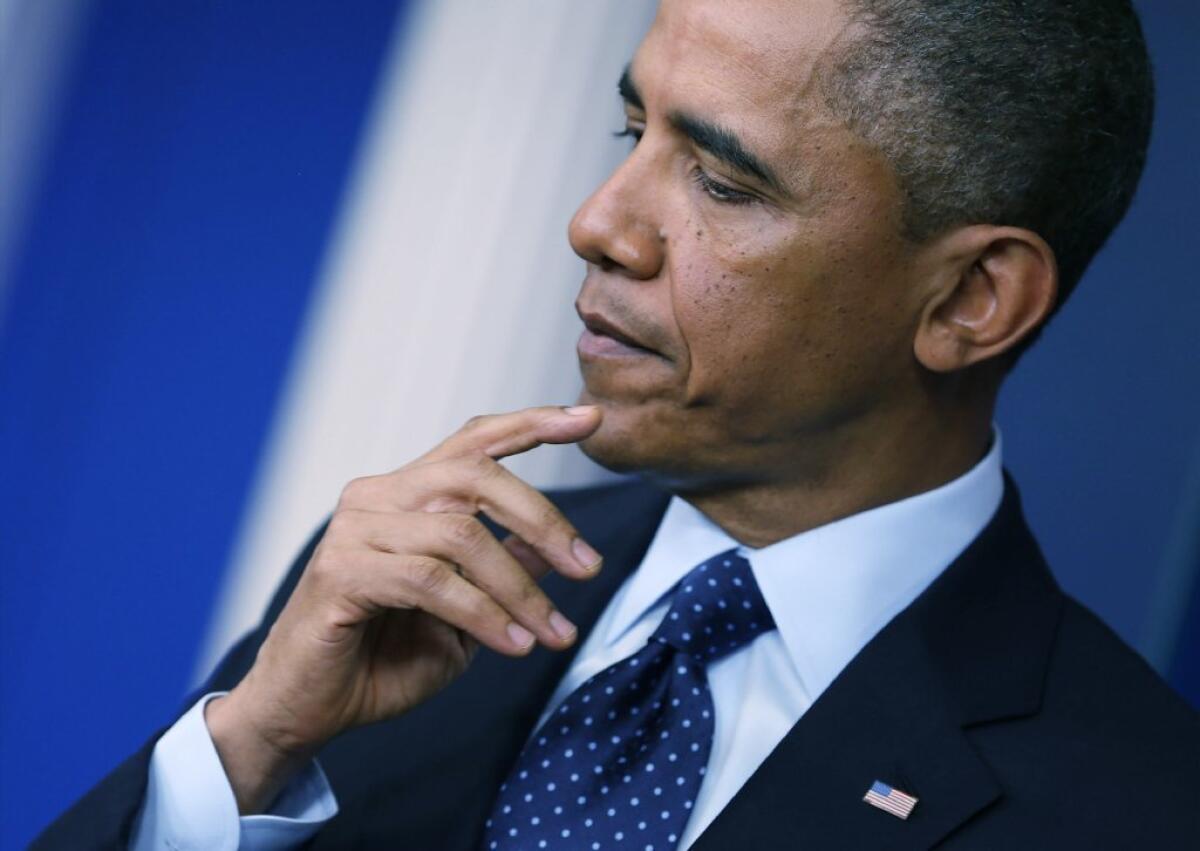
596,345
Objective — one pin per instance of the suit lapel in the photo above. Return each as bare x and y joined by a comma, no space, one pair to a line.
876,722
971,649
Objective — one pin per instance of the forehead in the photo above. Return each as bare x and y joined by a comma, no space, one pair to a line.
751,56
754,66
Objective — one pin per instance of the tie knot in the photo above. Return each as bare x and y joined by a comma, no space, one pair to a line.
715,609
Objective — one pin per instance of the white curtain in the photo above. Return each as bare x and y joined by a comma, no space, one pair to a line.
448,284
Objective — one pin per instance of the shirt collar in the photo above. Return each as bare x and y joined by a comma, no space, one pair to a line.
830,589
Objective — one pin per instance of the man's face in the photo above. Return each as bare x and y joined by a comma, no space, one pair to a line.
751,244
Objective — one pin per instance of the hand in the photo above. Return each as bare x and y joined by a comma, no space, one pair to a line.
403,587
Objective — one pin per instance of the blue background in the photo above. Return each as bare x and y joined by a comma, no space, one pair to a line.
169,257
198,166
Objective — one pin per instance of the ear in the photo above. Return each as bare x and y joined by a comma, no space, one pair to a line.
992,286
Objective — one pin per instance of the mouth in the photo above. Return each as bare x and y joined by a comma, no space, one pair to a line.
602,339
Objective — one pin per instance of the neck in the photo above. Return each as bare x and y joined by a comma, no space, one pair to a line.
843,474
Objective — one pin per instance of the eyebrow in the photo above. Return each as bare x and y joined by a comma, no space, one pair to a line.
628,91
719,141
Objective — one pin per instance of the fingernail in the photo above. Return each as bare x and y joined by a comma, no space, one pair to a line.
520,635
579,410
588,558
562,627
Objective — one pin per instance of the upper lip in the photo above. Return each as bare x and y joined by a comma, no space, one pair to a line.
599,324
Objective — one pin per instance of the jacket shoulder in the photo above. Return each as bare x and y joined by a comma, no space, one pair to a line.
1109,692
1111,757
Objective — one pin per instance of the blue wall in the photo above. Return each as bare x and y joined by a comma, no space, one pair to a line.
172,248
1102,420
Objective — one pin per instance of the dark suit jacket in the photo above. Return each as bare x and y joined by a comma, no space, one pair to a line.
1016,717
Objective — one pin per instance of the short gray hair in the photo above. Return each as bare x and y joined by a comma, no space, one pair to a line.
1029,113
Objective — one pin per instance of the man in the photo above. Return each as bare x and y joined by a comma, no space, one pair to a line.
820,621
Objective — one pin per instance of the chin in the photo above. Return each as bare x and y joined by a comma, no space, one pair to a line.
616,456
646,442
617,448
630,438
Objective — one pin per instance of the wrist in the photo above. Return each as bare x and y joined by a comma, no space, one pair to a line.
258,760
263,716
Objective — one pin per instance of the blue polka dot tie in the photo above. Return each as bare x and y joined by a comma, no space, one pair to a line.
619,763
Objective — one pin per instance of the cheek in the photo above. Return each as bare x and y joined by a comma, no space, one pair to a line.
739,309
759,321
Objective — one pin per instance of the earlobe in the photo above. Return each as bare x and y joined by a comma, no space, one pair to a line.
1000,285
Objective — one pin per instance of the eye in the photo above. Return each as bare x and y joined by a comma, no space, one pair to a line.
718,191
630,132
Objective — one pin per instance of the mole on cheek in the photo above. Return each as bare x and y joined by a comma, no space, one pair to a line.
721,290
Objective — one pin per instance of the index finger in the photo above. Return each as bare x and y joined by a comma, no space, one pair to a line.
500,435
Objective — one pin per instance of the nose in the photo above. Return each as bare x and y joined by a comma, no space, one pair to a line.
615,228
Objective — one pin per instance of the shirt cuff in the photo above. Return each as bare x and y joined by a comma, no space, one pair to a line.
189,803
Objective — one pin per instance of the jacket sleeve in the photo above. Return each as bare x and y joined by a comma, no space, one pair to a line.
104,817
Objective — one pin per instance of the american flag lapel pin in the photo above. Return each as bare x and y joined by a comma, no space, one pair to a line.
890,800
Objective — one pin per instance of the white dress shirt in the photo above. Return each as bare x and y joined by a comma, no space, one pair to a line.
830,590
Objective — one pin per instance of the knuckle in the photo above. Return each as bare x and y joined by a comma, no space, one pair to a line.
428,577
550,520
356,491
479,466
342,524
476,422
464,533
529,596
482,610
326,565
